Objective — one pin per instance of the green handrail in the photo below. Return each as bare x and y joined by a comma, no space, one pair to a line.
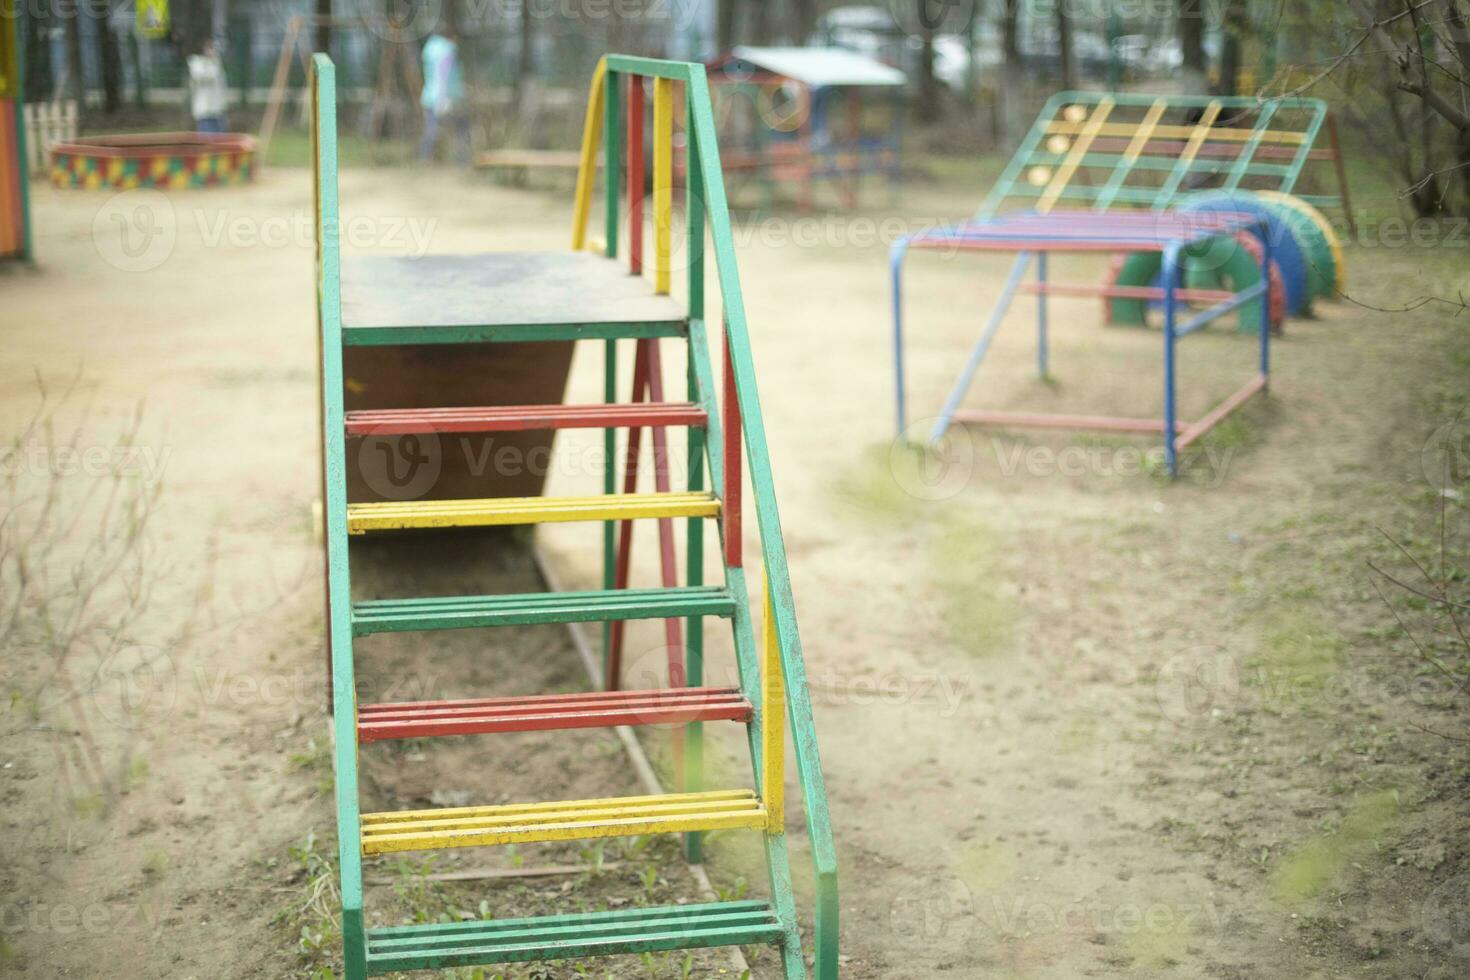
705,155
334,496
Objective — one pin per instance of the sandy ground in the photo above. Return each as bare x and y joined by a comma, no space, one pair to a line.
1075,721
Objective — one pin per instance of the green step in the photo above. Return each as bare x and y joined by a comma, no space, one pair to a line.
467,612
446,945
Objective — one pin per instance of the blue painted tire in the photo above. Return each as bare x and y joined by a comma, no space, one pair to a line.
1286,250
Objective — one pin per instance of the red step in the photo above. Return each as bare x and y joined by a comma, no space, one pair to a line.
596,709
515,418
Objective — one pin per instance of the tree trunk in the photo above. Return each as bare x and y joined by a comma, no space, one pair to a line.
1236,26
76,82
525,67
1012,96
928,84
725,36
1064,44
1192,45
39,79
108,56
323,27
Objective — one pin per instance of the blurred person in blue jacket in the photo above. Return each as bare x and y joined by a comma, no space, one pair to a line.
443,95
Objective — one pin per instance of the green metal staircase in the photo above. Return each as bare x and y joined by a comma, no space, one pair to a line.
579,295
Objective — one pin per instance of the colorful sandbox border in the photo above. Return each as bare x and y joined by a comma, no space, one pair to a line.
164,160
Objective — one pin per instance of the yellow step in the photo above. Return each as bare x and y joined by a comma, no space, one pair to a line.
522,823
482,512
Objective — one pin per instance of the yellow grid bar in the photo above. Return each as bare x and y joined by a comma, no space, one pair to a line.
479,826
1074,156
1223,134
663,180
587,169
490,511
1145,132
773,723
1199,136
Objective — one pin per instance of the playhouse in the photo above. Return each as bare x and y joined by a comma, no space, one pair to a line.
796,116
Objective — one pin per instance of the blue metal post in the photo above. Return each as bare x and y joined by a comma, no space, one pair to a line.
1266,301
1171,275
1041,315
895,265
977,354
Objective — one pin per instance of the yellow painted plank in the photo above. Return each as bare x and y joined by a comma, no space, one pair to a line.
773,724
663,181
486,512
587,171
576,820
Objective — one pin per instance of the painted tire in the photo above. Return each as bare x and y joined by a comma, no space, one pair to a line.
1130,269
1325,247
1285,248
1237,270
1228,264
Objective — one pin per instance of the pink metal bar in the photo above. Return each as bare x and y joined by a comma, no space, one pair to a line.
1218,413
1125,292
1039,420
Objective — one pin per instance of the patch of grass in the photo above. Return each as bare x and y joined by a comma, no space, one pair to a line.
980,620
1303,874
292,148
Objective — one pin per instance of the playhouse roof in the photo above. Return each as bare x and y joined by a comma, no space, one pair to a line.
820,66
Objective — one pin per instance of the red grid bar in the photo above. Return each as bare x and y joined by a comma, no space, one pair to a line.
1218,413
1124,292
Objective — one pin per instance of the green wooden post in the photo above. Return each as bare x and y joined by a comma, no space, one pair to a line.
334,495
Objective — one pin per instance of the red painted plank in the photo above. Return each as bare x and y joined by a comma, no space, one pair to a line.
514,418
601,709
